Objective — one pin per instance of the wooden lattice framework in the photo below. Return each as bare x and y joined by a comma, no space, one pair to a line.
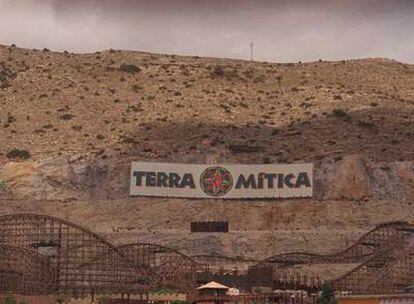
81,261
390,270
375,241
384,256
25,271
167,267
41,254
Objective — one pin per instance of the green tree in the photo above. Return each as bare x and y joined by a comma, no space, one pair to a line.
326,294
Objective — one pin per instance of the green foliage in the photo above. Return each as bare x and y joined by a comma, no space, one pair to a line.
162,291
178,302
326,294
10,299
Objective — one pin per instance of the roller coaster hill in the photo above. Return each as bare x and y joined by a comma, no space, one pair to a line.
44,255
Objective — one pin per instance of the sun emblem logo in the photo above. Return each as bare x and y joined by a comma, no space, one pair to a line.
216,181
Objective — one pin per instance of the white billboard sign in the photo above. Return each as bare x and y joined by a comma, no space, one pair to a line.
221,181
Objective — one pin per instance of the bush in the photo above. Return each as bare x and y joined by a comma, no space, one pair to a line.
66,116
366,124
266,160
339,113
135,88
2,185
279,79
217,71
18,154
9,299
129,68
243,148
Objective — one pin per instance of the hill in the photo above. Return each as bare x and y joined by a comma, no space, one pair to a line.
165,106
71,123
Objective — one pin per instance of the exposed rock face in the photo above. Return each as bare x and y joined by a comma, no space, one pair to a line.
53,179
351,196
392,181
353,178
345,179
350,178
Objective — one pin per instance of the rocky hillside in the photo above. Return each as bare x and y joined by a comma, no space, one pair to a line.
71,123
164,106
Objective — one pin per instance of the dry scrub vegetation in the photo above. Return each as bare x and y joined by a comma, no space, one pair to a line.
151,106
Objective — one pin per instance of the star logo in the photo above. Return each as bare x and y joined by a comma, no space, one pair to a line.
216,181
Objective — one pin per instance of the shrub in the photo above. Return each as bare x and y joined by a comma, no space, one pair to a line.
135,88
366,124
260,78
244,148
279,79
217,71
2,185
339,113
129,68
18,154
9,299
266,160
66,116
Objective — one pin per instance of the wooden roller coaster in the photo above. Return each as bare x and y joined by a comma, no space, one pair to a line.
41,254
167,267
384,257
69,254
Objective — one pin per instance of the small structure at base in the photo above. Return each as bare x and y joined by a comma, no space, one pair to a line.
211,292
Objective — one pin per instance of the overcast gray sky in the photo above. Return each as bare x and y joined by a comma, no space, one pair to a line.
282,30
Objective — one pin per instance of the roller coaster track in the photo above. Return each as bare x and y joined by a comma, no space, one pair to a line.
167,267
390,271
370,244
224,264
72,251
164,267
41,254
385,258
25,271
206,259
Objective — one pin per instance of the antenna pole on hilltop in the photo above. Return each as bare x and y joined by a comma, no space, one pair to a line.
251,51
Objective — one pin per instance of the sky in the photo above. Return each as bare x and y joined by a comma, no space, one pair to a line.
281,30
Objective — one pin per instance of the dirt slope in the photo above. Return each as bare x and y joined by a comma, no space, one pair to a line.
71,123
170,107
